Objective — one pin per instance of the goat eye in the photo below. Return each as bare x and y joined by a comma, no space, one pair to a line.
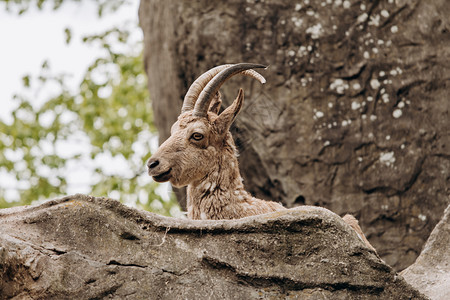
197,136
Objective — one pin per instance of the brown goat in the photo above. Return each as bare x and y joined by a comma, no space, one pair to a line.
201,154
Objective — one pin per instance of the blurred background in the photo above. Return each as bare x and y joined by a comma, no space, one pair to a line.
75,111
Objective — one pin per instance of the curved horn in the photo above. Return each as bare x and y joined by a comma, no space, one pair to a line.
199,84
211,88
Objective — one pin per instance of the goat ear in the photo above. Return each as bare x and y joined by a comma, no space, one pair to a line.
215,104
223,122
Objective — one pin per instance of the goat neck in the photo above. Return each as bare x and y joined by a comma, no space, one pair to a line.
221,194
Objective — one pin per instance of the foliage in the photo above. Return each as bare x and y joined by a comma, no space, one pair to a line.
108,117
22,6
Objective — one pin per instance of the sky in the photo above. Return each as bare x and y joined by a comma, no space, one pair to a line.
36,36
30,39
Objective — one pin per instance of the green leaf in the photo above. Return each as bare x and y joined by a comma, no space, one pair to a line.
26,81
45,65
68,35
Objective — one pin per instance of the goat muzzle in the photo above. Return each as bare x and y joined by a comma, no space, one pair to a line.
154,167
163,177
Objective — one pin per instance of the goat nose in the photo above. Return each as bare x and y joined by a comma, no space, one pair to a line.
152,164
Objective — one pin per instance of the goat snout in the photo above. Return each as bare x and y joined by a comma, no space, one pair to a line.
152,163
157,170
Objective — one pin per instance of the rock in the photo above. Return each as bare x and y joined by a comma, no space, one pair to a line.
431,272
354,116
81,247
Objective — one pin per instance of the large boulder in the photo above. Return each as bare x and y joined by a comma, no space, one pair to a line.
81,247
355,112
431,271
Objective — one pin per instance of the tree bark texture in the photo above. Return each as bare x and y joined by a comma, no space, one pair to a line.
355,113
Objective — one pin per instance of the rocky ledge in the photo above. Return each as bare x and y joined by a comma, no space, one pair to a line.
82,247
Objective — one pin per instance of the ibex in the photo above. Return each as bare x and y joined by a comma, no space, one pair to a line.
201,154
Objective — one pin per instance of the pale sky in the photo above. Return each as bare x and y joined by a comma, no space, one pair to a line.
30,39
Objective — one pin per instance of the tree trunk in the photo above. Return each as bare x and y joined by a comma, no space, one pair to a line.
354,115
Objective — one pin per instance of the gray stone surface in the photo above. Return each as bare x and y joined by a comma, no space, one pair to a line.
354,116
431,271
81,247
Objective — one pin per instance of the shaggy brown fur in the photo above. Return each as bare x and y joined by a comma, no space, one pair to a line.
201,154
208,166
